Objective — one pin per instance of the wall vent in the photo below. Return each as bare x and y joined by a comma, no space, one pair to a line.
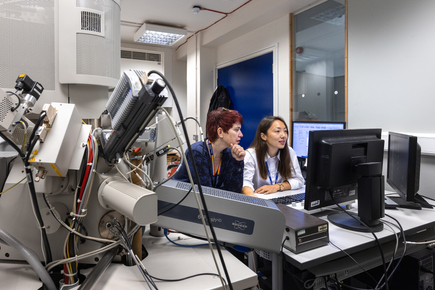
138,55
90,21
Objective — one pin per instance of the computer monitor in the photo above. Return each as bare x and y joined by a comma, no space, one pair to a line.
403,169
345,165
300,130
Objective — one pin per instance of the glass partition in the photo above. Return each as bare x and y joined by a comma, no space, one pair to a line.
319,63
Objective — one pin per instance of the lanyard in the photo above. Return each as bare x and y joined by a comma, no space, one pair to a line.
270,178
215,173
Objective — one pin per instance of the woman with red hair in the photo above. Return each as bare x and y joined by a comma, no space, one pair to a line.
219,158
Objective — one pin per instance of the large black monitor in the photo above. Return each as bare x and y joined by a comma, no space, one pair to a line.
403,171
300,130
345,165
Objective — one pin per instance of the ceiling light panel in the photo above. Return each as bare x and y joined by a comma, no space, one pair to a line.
158,34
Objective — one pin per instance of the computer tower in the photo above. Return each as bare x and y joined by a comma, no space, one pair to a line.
415,272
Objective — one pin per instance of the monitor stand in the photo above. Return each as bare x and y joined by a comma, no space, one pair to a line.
419,199
343,220
418,203
370,201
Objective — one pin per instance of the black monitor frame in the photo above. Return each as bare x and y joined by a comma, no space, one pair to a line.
354,155
403,169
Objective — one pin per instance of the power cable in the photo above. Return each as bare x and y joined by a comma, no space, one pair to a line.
226,15
374,235
196,176
19,100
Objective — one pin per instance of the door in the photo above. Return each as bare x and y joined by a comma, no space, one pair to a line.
250,85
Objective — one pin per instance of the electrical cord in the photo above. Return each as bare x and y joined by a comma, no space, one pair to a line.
92,253
34,201
127,245
197,179
29,174
179,144
37,124
404,246
394,253
73,231
225,13
185,278
373,234
13,186
356,262
79,211
12,144
165,231
30,257
23,146
197,122
175,205
18,97
397,264
153,165
136,167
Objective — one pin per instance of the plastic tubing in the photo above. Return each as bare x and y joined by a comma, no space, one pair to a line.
30,257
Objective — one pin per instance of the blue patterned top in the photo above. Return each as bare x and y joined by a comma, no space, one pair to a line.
231,172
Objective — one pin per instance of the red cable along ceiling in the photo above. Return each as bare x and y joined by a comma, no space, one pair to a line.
206,9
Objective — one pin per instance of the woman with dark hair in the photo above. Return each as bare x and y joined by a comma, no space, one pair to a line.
270,164
219,158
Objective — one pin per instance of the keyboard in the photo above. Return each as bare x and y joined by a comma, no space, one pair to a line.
288,199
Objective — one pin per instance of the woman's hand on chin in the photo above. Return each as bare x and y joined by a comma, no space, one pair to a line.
237,151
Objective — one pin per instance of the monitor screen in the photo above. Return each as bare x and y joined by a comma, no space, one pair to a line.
300,130
403,170
335,165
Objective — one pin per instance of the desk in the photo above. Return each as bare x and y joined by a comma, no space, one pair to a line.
418,225
164,260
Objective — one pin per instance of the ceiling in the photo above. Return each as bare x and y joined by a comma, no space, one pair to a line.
179,13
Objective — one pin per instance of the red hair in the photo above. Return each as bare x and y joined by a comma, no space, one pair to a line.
223,118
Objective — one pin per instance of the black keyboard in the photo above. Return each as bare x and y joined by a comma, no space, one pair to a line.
289,198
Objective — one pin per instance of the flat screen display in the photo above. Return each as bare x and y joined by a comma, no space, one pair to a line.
300,133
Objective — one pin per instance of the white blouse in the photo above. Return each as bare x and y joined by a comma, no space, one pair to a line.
251,173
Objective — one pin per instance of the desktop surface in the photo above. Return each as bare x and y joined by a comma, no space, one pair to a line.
165,260
412,221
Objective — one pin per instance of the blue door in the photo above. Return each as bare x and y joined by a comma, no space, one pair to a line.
250,85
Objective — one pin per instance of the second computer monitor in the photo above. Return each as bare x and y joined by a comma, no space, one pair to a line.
300,133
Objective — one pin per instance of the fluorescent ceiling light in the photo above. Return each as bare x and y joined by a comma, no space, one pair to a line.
158,34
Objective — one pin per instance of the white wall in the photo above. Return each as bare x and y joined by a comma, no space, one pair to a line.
391,63
207,75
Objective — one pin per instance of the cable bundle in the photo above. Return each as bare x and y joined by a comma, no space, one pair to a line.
81,198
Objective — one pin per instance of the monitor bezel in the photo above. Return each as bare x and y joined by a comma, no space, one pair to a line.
413,167
312,193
